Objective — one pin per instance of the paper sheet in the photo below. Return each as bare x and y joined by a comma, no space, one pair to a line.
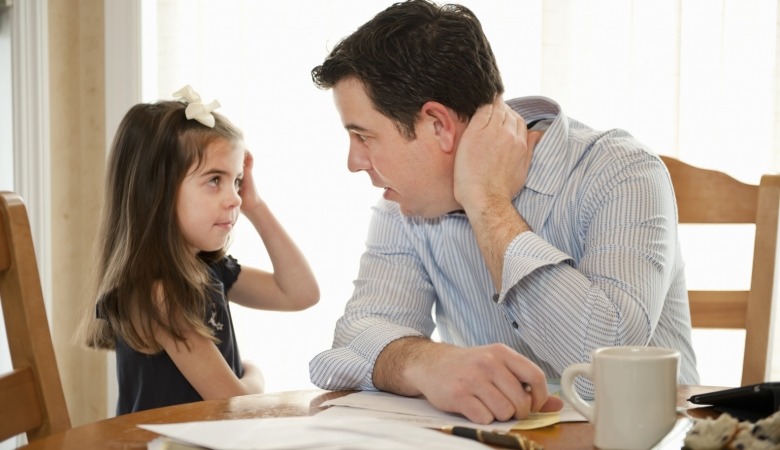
311,432
419,412
369,419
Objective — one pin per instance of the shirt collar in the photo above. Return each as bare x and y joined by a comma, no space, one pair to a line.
547,169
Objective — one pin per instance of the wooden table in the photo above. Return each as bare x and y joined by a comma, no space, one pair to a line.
122,432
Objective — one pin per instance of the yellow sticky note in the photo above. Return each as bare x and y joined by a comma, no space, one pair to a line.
537,420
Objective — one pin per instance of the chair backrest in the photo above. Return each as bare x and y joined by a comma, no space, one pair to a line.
31,396
710,197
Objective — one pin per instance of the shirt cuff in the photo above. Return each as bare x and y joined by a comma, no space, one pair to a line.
352,366
526,253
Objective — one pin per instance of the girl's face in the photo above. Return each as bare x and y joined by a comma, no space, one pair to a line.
208,204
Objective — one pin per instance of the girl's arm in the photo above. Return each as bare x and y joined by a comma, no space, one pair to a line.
205,367
291,286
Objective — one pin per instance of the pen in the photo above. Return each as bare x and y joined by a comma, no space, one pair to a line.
494,438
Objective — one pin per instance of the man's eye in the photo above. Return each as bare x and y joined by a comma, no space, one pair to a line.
361,138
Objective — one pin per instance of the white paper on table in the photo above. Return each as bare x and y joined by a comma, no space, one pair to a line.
310,432
416,411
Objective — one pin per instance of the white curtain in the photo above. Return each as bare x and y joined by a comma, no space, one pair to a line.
695,79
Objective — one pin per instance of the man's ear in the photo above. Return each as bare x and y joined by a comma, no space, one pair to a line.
441,123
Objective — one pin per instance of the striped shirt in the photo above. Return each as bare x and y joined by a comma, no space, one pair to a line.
602,266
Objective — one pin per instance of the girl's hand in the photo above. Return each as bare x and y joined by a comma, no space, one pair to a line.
253,377
250,198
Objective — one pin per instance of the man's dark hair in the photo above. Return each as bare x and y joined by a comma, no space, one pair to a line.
414,52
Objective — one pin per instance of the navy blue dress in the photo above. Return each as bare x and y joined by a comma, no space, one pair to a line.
151,381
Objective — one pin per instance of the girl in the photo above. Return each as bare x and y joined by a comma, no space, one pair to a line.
178,175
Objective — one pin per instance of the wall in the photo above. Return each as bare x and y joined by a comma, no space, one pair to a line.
6,158
6,126
77,98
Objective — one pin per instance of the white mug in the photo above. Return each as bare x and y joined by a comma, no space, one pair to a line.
636,395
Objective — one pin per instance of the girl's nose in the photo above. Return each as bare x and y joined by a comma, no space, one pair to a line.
234,198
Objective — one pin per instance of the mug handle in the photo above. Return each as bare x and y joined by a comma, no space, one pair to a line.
570,394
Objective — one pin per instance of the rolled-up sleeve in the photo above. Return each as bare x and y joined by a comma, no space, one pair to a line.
393,298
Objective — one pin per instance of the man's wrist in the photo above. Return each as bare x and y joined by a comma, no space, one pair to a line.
495,225
394,367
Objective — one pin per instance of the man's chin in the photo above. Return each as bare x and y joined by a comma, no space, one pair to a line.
405,210
424,214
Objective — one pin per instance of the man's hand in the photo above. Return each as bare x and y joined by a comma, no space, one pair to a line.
491,167
493,157
483,383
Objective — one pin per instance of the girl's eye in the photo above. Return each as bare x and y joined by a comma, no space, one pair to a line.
214,181
238,182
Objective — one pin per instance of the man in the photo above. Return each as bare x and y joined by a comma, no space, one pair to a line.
535,238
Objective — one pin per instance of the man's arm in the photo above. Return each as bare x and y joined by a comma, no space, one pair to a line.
483,383
491,166
393,298
614,290
382,342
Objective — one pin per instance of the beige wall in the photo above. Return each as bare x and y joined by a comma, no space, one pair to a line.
77,114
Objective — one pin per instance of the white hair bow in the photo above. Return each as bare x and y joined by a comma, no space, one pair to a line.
195,107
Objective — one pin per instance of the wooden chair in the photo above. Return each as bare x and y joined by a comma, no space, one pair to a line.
31,396
711,197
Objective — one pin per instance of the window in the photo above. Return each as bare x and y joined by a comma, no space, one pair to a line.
673,73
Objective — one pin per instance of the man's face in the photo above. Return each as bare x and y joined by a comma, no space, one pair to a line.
415,173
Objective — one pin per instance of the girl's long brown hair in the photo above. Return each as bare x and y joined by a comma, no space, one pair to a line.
140,253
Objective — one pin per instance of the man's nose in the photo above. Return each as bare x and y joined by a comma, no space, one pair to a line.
357,159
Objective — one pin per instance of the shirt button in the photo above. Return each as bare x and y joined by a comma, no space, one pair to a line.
515,325
495,298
